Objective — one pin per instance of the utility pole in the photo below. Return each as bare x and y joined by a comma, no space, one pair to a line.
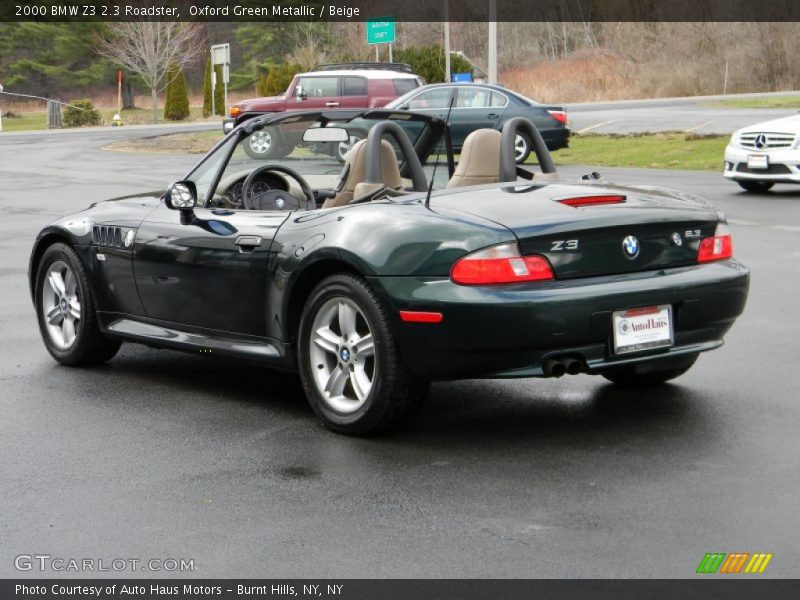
492,42
447,40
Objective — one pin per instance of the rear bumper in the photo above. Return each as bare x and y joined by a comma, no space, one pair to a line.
510,331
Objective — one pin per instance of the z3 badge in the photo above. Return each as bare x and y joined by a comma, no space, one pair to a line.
559,245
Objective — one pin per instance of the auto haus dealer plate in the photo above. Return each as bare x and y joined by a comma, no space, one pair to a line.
642,328
757,161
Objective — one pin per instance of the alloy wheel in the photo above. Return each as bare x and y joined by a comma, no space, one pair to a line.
260,142
61,305
342,355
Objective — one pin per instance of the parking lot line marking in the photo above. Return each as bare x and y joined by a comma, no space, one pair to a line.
585,129
696,127
794,228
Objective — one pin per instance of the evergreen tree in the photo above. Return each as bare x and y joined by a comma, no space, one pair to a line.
176,100
219,91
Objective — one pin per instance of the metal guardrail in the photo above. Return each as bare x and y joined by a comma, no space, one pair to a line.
53,108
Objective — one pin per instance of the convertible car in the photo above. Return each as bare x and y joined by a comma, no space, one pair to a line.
399,268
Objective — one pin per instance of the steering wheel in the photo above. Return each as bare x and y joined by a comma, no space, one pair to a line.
276,199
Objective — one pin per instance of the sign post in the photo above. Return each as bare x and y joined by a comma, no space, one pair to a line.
1,111
381,31
220,55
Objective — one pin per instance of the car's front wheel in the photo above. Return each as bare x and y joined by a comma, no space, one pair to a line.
66,311
648,374
352,372
755,186
264,144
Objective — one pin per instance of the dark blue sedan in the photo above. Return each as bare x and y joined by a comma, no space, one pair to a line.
479,106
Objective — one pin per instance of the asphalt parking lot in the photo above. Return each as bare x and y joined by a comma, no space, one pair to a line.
161,454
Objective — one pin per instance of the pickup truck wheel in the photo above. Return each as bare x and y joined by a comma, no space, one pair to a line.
264,144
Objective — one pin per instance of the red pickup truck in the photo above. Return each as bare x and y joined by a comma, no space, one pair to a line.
336,86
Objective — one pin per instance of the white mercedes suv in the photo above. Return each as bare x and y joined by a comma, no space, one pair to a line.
761,155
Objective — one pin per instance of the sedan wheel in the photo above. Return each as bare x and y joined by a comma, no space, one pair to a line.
66,312
342,148
352,373
755,186
522,148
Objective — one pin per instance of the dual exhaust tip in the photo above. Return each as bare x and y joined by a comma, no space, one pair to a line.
563,365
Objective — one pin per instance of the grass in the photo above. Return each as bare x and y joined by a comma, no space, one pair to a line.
656,151
34,121
195,142
25,122
764,102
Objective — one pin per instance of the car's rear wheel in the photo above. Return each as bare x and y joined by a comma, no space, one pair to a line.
648,374
66,311
755,186
522,148
352,372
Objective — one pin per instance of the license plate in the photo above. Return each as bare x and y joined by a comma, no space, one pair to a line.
641,329
757,161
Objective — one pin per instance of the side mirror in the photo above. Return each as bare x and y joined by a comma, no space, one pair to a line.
182,196
404,107
300,93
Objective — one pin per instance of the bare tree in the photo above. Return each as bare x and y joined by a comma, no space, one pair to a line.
149,48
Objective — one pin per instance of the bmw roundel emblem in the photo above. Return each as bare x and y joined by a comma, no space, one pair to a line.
280,202
630,245
676,239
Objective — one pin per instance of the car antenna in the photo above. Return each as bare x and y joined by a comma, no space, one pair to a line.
438,154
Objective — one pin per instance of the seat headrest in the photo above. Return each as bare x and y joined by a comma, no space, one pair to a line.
480,159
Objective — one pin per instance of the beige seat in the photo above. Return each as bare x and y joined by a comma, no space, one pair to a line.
354,185
480,159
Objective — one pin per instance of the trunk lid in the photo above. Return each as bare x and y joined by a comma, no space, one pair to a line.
653,228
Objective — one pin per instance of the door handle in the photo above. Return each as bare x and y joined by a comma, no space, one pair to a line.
331,104
492,116
247,243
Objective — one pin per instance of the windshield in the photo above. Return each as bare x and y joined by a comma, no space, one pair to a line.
319,158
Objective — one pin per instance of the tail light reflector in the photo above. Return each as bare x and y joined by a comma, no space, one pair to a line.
718,247
498,265
559,115
416,316
579,201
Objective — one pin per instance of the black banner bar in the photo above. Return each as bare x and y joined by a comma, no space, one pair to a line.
400,10
702,588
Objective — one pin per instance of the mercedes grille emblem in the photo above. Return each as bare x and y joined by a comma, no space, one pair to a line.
630,245
760,141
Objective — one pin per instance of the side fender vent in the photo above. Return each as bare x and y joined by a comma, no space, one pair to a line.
108,236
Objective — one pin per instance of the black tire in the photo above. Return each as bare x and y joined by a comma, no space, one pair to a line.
646,374
755,186
394,394
265,144
520,156
90,346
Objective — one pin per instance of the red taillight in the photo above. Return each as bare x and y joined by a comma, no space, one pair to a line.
559,115
235,111
579,201
718,247
500,264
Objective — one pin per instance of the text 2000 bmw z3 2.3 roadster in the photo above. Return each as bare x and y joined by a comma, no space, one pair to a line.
374,279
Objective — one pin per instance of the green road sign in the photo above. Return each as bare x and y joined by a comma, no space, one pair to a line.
380,30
